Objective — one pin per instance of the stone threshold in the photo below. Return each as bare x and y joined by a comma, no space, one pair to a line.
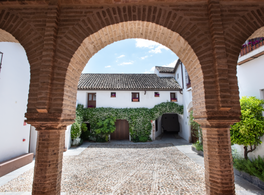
15,163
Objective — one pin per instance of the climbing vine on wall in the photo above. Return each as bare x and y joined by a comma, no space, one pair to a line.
139,119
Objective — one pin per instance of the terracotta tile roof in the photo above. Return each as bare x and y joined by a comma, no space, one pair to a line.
162,69
127,82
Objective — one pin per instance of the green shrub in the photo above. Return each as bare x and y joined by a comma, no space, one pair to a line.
253,167
143,139
139,119
75,130
199,146
196,128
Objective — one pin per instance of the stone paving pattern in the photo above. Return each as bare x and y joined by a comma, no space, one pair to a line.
124,169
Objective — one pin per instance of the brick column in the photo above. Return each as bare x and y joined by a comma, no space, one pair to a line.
219,176
48,163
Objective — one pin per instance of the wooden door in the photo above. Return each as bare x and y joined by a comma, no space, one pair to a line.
91,100
122,130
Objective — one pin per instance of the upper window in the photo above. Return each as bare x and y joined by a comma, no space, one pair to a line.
156,94
113,94
173,97
135,97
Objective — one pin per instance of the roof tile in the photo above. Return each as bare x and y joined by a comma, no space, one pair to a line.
127,82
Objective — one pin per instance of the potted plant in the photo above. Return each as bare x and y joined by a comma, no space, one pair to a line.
174,99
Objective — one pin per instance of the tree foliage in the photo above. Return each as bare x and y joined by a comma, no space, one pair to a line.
250,129
105,127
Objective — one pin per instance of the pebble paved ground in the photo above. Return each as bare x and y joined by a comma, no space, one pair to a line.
124,169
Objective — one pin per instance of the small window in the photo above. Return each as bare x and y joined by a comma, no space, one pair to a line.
135,97
262,97
113,94
156,94
177,76
173,97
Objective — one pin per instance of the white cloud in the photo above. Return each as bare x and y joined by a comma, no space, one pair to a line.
154,46
125,63
151,70
146,43
107,66
121,56
144,57
171,64
158,49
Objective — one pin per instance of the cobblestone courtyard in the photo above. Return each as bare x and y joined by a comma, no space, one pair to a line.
124,169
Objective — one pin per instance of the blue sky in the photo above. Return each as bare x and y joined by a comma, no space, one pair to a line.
131,56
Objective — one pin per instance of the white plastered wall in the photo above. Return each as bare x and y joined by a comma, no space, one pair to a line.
14,87
123,99
186,100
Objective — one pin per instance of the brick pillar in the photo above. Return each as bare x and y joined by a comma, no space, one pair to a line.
219,176
48,163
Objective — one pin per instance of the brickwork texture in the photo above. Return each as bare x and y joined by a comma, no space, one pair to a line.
60,36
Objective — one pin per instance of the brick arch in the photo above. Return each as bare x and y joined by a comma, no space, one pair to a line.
15,29
126,30
247,25
138,16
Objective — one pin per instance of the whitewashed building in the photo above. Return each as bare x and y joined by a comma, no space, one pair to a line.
140,90
250,73
128,91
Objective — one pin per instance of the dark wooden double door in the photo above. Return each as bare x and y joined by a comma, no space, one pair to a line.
122,130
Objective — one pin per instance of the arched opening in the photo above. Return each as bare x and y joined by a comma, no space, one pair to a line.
113,90
133,29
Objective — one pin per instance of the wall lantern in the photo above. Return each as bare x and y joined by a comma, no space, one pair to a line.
1,59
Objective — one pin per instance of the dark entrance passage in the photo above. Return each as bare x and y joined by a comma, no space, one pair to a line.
122,130
170,122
